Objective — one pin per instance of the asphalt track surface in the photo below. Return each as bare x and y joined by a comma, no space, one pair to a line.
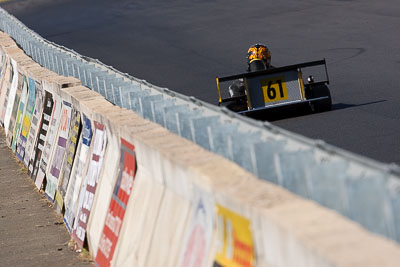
185,44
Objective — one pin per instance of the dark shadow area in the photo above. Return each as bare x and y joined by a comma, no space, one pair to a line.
299,110
283,112
339,106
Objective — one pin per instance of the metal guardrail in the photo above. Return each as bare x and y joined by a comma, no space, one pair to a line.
359,188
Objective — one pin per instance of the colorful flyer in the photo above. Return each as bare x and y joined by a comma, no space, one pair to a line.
10,95
4,85
49,144
15,108
88,190
41,136
119,201
3,63
58,156
35,123
74,131
198,238
26,121
20,112
234,240
78,172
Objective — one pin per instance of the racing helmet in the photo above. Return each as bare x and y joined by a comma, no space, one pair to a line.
258,57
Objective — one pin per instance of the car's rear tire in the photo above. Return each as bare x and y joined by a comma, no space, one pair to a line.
324,104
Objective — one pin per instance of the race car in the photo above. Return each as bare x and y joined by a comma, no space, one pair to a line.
278,87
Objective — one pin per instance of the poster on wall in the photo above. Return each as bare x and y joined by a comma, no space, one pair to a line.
20,112
234,240
117,207
6,90
17,99
49,143
59,153
5,86
35,123
73,138
199,236
9,104
26,121
3,58
4,70
88,190
41,136
78,172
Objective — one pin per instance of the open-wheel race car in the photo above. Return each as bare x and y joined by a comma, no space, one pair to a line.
276,88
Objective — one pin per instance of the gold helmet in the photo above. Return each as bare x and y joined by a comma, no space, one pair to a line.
259,52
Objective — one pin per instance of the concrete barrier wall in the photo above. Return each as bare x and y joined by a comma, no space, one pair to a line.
135,193
309,168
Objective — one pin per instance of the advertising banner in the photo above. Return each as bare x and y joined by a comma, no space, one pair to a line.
58,156
3,62
10,95
35,123
117,207
89,184
198,239
20,112
4,84
26,121
78,172
74,132
41,136
49,143
234,240
15,108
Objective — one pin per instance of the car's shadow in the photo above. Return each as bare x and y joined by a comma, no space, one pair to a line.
339,106
300,110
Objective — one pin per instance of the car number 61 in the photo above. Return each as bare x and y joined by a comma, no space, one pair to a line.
274,89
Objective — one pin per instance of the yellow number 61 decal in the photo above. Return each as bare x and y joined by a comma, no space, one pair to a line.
274,89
